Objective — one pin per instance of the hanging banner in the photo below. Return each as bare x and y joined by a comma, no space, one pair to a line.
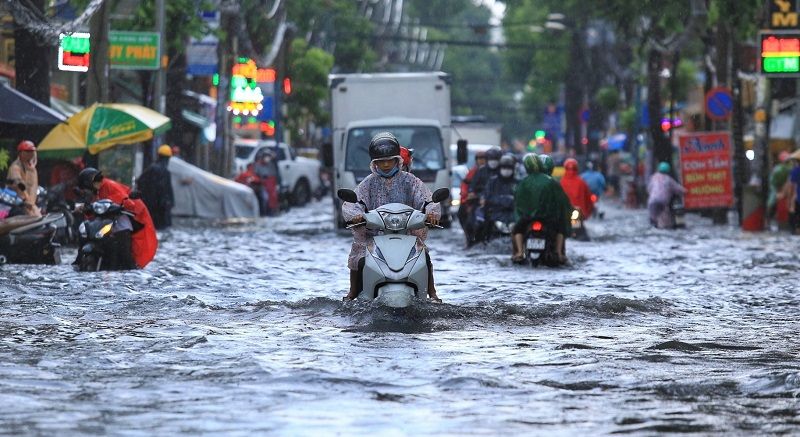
706,169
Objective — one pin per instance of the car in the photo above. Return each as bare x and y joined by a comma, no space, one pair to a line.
299,175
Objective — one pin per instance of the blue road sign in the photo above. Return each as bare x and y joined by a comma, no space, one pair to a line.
719,104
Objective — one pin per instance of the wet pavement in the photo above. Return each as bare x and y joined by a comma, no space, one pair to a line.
239,329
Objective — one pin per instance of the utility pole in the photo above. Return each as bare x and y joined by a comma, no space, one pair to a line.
148,155
97,81
227,51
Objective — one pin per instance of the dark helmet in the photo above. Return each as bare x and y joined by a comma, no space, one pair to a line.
384,145
547,164
508,161
531,162
87,176
493,154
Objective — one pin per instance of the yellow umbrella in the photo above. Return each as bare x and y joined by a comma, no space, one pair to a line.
104,125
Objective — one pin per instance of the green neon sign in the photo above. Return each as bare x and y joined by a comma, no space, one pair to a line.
75,43
783,64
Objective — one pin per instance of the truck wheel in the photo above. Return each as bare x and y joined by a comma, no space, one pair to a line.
302,193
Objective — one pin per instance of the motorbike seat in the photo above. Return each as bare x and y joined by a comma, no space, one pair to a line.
12,223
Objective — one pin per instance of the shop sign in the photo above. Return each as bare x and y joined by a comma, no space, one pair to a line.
134,50
706,169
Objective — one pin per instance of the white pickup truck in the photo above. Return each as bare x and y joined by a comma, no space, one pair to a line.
300,175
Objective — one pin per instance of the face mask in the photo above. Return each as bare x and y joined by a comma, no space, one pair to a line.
506,172
389,173
493,163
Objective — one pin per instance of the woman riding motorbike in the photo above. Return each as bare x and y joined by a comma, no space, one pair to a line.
386,184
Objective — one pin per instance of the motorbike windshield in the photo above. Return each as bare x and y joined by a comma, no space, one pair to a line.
425,140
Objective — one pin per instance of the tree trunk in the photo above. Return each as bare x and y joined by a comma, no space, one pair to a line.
32,62
662,149
176,83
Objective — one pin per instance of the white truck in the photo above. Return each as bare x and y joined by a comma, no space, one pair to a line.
415,107
478,132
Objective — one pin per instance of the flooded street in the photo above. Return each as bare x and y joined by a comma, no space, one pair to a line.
240,329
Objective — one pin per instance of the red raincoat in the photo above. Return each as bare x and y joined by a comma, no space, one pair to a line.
578,192
465,183
144,242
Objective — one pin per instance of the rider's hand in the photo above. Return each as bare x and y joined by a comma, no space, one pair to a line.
472,196
358,219
432,219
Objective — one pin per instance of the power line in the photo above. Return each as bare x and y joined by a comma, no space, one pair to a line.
467,43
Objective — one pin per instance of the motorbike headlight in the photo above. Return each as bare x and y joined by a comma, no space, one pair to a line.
103,231
82,230
576,214
395,222
100,208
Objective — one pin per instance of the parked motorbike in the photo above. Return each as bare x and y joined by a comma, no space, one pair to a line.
395,267
30,240
96,236
53,201
540,243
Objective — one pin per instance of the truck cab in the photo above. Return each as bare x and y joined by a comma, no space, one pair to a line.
415,107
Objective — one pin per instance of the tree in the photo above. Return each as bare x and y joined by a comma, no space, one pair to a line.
309,67
32,61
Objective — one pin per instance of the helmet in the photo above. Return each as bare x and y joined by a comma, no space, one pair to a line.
383,146
164,150
547,164
493,154
571,164
663,167
26,146
89,175
531,162
508,161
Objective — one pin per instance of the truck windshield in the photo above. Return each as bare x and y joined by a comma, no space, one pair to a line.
425,140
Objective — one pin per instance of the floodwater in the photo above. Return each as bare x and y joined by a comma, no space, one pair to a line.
239,329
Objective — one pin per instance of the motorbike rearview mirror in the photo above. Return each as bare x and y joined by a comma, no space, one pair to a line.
347,195
440,195
462,154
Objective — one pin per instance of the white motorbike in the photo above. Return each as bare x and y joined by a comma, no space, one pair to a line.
395,266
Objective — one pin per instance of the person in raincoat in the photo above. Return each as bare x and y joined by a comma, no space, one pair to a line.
594,179
660,190
135,238
24,178
386,184
536,198
779,208
563,209
580,196
155,185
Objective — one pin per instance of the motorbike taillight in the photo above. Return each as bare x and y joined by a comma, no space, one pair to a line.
536,226
594,198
